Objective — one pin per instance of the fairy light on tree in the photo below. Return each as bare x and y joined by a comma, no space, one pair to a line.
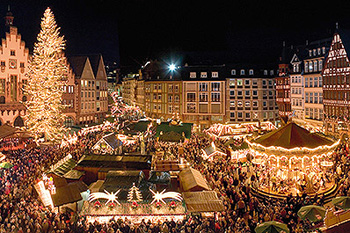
134,194
47,72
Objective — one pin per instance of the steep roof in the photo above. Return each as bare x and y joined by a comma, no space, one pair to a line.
192,180
292,136
94,61
77,63
345,38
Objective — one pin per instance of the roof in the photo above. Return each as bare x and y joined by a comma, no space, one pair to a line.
192,180
116,161
77,63
205,201
6,131
112,140
82,187
121,180
166,127
65,167
74,174
292,136
95,61
345,38
96,186
66,194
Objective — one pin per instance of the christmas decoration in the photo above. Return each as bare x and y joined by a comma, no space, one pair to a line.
159,196
134,205
172,204
47,74
111,197
134,194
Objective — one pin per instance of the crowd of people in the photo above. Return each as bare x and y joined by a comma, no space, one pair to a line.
22,211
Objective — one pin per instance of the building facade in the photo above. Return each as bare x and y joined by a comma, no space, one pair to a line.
13,66
336,85
297,87
313,66
250,94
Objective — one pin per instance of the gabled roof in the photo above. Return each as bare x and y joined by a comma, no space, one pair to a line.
112,140
292,136
78,63
345,38
95,61
192,180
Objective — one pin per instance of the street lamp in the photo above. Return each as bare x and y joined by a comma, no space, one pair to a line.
172,67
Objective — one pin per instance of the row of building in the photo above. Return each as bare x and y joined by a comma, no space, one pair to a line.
85,94
203,94
313,83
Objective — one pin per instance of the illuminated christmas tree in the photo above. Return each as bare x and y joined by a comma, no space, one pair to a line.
47,72
134,194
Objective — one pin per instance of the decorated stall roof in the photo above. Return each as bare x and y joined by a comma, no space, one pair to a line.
291,136
204,201
192,180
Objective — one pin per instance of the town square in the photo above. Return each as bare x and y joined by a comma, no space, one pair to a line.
142,129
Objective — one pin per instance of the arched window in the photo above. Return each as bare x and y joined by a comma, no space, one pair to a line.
2,99
18,122
24,98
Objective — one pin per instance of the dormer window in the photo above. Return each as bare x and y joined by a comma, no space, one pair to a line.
271,72
242,72
233,72
265,72
192,74
314,52
203,74
215,74
319,51
251,72
323,50
310,53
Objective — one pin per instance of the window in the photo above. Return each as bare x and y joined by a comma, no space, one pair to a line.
239,104
320,98
232,103
315,82
232,93
242,72
21,64
232,83
319,51
239,82
247,93
251,72
13,53
215,97
176,88
310,67
247,103
191,108
247,82
272,72
255,93
247,115
203,86
320,65
239,114
232,115
315,65
155,86
177,99
311,98
306,67
192,74
215,74
203,97
2,86
255,103
215,86
306,97
170,109
159,96
203,74
265,72
170,98
233,72
315,98
306,82
191,97
170,87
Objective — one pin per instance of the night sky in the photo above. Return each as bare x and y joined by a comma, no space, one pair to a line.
131,31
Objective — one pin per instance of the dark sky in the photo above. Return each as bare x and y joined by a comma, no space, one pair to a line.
130,31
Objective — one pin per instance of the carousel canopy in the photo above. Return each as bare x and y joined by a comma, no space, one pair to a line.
292,136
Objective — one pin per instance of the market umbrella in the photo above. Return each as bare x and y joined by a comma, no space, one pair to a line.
312,212
272,227
342,202
6,165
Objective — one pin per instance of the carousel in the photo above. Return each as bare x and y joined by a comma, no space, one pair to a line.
292,160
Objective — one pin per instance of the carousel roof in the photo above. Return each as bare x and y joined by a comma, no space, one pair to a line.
292,136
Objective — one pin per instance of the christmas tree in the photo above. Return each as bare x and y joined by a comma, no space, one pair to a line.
47,72
134,194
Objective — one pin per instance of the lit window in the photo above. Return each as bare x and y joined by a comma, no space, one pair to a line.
242,72
203,74
251,72
233,72
192,74
215,74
